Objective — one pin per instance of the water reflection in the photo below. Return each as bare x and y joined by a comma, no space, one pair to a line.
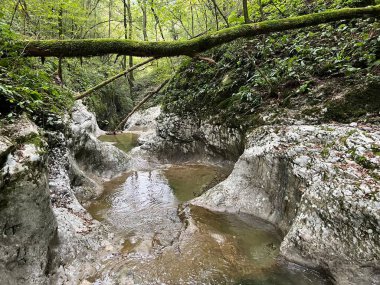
123,141
164,243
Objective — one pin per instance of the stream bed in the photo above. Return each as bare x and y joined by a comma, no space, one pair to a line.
165,240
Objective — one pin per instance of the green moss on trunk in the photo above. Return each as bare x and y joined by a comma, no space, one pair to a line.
97,47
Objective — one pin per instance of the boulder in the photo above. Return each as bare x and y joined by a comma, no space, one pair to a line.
319,185
27,223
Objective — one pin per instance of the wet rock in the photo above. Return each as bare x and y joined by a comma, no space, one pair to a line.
27,221
317,185
144,123
78,164
189,137
184,138
92,156
143,120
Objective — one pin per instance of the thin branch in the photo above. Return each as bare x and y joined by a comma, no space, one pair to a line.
138,106
98,24
100,85
14,13
206,59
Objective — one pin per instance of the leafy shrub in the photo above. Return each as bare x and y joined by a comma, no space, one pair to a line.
26,86
274,67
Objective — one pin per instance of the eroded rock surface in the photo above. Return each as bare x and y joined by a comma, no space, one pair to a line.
189,137
320,185
184,138
93,156
78,164
27,222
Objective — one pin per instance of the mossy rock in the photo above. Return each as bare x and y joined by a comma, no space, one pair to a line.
355,104
311,111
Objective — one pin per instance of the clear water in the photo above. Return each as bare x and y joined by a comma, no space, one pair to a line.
123,141
166,242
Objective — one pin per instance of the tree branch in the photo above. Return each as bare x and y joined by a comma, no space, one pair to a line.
97,47
109,80
146,98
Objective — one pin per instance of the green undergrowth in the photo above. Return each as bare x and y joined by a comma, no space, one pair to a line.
356,103
304,70
26,85
109,103
114,101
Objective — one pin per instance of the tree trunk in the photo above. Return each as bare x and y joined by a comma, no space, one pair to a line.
60,35
245,11
26,15
216,17
130,37
109,17
179,19
142,4
125,24
205,16
97,47
14,13
157,19
261,10
220,12
278,9
192,20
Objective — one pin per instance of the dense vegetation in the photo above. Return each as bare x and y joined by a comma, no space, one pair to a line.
281,69
306,68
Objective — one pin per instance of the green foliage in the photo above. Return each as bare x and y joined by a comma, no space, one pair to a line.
25,86
248,73
282,66
362,160
110,103
233,19
359,102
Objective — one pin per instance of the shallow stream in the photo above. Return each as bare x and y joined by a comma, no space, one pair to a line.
166,241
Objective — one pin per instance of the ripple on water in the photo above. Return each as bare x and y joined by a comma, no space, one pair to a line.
173,245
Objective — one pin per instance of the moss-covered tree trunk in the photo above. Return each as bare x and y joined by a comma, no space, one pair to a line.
97,47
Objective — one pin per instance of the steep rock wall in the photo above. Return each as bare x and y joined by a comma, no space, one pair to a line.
319,184
186,137
78,164
27,222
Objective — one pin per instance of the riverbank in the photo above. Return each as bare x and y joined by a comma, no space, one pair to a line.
300,180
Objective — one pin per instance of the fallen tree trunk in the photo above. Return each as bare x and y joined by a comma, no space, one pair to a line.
146,98
97,47
109,80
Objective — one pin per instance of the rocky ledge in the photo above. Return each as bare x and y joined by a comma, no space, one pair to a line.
320,186
28,225
187,138
47,236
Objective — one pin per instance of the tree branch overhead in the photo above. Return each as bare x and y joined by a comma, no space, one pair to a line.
98,47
